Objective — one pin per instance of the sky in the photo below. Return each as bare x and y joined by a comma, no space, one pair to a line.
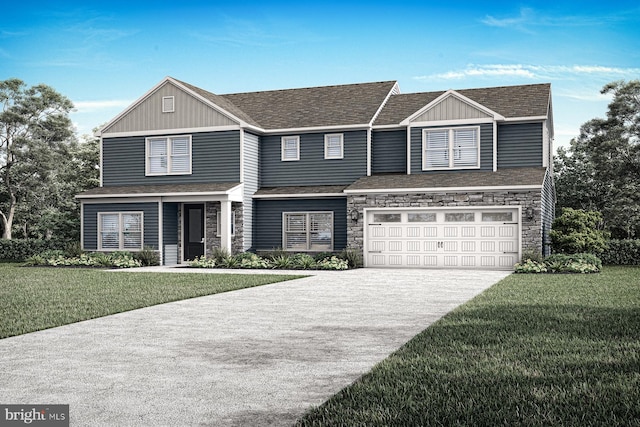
105,55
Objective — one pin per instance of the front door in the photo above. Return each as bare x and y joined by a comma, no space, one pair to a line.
193,231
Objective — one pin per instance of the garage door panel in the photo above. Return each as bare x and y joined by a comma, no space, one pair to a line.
475,238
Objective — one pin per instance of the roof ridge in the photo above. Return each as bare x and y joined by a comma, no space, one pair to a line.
312,87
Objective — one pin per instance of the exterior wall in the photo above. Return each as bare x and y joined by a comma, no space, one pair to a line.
212,241
268,221
520,145
149,218
312,168
486,148
189,112
215,158
531,227
389,151
251,177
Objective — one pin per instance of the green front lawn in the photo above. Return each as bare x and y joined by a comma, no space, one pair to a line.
32,299
531,350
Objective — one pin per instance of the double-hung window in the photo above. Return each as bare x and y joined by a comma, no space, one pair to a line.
451,148
169,155
307,231
334,146
290,148
120,231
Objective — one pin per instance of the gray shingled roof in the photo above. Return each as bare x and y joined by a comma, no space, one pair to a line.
509,101
342,105
507,177
158,189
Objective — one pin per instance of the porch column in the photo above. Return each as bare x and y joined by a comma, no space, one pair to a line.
225,225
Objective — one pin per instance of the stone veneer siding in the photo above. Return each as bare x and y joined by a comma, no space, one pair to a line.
211,215
531,229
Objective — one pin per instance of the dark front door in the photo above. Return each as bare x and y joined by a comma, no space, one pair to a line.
193,231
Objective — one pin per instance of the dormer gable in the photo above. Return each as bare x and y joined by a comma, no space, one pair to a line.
451,107
170,105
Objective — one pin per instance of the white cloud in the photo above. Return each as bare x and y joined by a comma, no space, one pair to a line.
534,72
93,106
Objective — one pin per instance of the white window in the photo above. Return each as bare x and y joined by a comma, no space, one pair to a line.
219,222
290,148
169,155
307,231
334,146
168,104
120,231
453,148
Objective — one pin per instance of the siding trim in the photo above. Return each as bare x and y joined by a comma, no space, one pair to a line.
171,132
297,195
443,189
409,150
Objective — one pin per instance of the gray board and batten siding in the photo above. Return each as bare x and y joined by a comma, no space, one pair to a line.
215,158
313,168
189,112
149,221
520,144
389,151
486,147
268,219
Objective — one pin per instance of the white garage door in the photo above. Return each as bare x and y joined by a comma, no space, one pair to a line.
462,238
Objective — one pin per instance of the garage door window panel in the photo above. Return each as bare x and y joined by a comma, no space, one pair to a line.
497,216
459,217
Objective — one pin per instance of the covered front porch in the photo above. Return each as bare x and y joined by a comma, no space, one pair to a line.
181,222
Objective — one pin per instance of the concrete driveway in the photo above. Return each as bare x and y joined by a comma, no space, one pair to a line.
258,356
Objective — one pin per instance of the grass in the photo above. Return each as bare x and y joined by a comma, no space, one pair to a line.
532,350
32,299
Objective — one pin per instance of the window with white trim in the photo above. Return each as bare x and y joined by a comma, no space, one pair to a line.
307,231
290,148
451,148
219,222
168,104
168,155
120,231
334,146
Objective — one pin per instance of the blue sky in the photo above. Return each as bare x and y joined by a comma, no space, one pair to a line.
105,55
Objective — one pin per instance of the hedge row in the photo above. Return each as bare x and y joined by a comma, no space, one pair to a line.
622,252
21,249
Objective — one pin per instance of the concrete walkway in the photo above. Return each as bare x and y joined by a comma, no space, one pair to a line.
253,357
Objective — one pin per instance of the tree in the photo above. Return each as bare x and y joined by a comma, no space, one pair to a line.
34,122
601,168
578,231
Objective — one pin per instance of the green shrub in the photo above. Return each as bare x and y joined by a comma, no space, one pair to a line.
333,263
578,231
147,256
73,250
622,252
322,256
251,260
352,256
220,255
56,258
530,266
303,261
533,255
282,261
21,249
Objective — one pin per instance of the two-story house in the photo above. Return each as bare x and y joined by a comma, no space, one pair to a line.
455,179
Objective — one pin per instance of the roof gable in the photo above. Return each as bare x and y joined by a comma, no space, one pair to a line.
510,102
192,110
451,106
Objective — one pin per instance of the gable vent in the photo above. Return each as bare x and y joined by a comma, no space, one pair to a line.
168,104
